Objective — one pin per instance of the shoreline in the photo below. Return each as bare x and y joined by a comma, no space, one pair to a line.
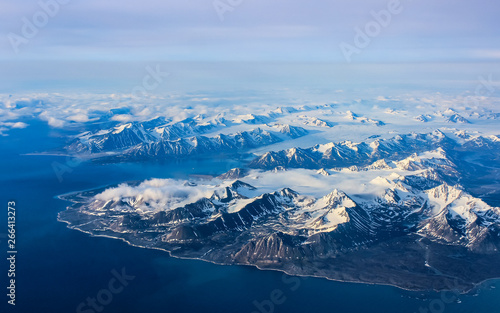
461,292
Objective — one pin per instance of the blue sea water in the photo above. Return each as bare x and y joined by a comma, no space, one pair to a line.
59,268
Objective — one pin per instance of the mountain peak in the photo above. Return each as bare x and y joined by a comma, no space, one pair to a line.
457,118
444,194
293,131
120,128
233,173
379,165
238,184
338,198
323,172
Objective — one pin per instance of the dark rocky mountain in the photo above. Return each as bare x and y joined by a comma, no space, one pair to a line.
420,233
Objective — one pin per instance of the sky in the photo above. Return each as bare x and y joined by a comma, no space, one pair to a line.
78,41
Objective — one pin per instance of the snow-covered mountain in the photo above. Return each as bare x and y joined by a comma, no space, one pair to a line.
457,118
200,145
423,118
161,138
347,153
273,220
135,141
292,131
117,138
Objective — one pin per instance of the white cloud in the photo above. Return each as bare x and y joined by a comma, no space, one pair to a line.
19,125
159,194
82,118
122,118
309,182
54,122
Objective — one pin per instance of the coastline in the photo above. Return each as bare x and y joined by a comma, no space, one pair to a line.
469,291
